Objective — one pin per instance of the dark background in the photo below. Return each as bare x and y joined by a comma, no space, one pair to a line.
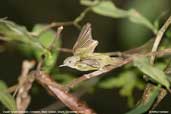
113,35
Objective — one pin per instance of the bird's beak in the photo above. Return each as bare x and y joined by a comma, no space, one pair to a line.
62,65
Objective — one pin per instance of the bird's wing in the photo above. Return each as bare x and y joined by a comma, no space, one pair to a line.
85,42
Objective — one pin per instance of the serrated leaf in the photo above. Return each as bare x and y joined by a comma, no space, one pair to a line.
108,8
5,98
144,107
153,72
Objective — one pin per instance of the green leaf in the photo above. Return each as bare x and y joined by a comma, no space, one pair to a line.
47,38
64,78
108,8
136,17
18,35
144,107
153,72
36,45
127,81
10,31
5,98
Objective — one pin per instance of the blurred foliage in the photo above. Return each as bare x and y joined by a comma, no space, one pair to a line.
127,81
154,73
144,107
36,45
6,98
132,35
49,44
108,8
62,77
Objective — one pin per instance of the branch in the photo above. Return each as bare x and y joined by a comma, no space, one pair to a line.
58,34
80,17
54,24
25,83
65,50
159,37
163,92
58,91
59,105
12,88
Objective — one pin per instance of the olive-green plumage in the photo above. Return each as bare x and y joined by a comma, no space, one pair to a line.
84,58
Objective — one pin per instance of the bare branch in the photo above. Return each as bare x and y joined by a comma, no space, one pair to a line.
54,24
58,34
59,91
159,37
12,88
59,105
65,50
25,83
80,17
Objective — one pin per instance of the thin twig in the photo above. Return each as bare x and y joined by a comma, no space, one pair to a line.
154,48
159,37
65,50
163,92
12,88
54,24
80,17
58,34
25,83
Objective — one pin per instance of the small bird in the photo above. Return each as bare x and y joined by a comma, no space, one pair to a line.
84,58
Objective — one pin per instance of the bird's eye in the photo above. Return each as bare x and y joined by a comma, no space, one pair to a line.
69,61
